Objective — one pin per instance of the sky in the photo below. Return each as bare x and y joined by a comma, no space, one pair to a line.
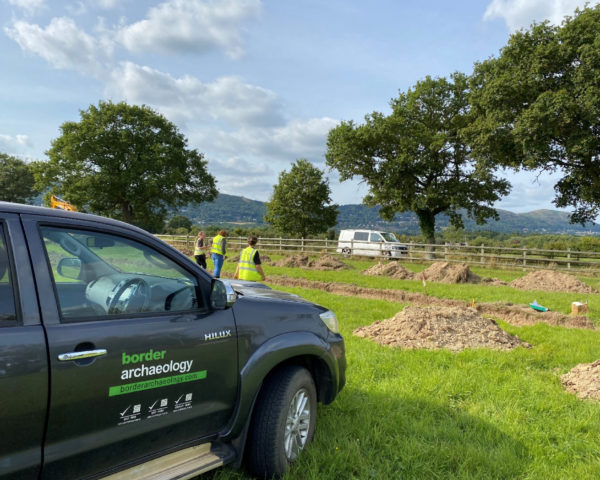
253,85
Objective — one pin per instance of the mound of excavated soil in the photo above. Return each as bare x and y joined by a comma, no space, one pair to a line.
453,328
327,262
514,314
391,269
294,261
551,281
583,380
445,272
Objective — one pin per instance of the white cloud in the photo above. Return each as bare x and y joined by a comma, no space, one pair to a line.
530,191
14,144
240,176
191,26
521,13
238,164
63,44
296,139
227,99
29,6
107,4
248,161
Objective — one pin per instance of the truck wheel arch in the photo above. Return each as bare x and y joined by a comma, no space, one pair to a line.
298,348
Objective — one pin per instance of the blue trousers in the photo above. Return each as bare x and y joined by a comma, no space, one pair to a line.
218,261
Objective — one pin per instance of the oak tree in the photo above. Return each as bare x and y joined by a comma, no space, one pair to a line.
537,106
415,159
126,162
300,204
16,180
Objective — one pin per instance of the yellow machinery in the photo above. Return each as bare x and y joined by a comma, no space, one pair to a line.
56,202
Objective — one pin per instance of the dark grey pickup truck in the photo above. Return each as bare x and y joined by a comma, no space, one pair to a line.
122,359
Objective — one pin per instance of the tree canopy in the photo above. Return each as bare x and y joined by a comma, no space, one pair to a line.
127,162
415,159
537,106
180,221
300,204
16,180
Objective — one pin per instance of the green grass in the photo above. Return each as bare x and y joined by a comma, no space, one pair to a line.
436,414
477,414
555,301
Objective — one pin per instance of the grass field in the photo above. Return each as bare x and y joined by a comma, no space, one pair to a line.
478,414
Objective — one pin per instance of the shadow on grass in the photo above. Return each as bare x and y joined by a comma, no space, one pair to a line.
365,435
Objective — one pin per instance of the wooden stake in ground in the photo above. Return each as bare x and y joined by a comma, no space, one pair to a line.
424,282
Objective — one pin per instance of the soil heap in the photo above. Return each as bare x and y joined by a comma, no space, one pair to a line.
453,328
583,380
294,261
515,314
445,272
392,269
327,262
551,281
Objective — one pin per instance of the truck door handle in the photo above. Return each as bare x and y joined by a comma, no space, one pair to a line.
65,357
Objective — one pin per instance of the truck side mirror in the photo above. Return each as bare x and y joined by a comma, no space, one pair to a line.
222,295
69,268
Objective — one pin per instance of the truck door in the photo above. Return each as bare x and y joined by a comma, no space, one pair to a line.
140,362
23,359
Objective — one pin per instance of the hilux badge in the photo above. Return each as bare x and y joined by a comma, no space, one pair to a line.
217,335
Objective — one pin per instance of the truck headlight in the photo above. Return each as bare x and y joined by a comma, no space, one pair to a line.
330,320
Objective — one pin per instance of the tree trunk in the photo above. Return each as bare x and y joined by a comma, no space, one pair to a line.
427,227
128,215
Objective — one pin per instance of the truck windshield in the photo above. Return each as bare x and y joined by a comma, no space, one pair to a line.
389,237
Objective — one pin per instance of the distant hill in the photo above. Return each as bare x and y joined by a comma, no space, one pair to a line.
232,209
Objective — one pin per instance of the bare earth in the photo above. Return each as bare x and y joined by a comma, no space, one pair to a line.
325,262
584,380
513,314
452,328
432,323
550,281
443,272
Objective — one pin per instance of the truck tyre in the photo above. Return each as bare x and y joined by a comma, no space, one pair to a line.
283,422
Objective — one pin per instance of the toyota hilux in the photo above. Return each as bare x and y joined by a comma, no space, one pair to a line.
120,358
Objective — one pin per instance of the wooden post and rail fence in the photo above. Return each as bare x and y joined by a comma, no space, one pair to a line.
480,255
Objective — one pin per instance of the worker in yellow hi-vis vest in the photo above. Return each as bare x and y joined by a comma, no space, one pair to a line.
249,266
217,252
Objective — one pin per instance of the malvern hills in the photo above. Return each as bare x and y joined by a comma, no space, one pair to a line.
231,209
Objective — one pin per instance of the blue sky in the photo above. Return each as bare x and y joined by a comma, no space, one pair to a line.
253,84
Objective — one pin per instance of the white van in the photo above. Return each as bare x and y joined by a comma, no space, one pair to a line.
370,243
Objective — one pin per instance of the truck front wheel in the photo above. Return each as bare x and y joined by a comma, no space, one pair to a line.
283,422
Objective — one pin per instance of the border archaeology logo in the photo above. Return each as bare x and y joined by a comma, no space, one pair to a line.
182,368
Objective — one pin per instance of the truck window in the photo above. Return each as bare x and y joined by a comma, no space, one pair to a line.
361,236
97,274
375,237
8,315
389,237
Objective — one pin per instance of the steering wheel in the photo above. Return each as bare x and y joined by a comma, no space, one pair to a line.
131,296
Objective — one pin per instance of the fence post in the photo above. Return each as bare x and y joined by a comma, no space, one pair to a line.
482,260
445,252
569,258
326,246
280,244
302,244
524,258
